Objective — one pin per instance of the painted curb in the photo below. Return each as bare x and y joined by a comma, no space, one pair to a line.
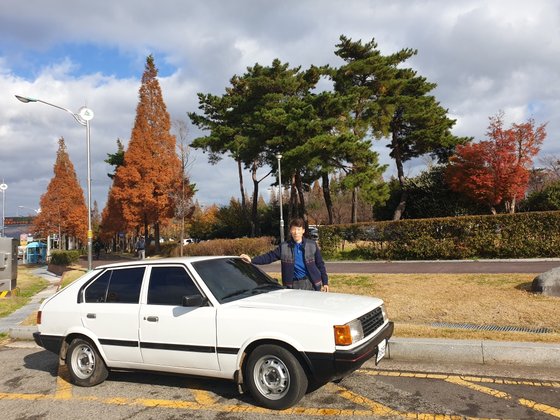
482,352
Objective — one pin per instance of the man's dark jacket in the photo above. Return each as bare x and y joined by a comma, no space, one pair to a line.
285,253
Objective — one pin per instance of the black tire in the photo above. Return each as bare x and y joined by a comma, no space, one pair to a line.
85,365
275,377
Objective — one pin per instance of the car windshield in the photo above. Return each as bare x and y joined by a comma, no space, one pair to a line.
231,278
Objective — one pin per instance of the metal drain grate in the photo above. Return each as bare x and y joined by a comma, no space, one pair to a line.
543,330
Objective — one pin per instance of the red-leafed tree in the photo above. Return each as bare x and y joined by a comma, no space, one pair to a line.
63,207
144,184
496,171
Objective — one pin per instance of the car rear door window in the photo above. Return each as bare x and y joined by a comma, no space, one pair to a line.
116,286
168,285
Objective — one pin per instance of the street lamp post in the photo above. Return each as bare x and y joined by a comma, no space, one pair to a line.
83,117
3,188
279,157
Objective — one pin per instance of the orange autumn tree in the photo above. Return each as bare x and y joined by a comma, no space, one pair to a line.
63,207
112,221
496,171
144,183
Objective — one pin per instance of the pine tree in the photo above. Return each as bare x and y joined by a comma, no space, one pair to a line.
151,172
63,207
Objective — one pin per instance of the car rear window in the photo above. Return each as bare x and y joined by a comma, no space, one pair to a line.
116,286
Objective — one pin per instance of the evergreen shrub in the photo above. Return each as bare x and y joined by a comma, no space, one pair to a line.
521,235
64,258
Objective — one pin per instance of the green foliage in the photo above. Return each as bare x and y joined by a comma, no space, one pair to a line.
522,235
546,199
428,196
64,258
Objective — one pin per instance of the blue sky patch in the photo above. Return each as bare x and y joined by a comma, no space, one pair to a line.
88,59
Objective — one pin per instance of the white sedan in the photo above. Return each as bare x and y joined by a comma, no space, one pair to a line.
217,317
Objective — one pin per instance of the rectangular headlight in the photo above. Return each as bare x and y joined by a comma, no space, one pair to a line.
346,334
384,312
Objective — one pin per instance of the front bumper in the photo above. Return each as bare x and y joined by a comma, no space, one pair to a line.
326,367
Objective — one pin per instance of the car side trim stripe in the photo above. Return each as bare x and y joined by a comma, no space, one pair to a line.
178,347
227,350
121,343
165,346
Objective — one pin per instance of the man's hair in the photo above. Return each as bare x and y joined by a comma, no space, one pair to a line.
297,222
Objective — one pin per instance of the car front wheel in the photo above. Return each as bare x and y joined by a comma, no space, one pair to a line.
275,377
85,365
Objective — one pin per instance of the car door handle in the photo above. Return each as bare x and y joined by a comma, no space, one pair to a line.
91,316
152,319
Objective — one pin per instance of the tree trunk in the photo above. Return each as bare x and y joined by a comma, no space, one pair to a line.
293,200
242,188
327,197
156,234
254,207
301,207
400,173
510,205
354,205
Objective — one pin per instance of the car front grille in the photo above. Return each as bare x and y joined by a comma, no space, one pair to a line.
371,321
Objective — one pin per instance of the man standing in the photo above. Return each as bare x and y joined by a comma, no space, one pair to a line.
301,261
141,248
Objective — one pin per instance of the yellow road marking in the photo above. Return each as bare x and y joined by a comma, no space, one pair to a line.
543,408
383,410
205,400
478,379
467,381
63,385
483,389
203,397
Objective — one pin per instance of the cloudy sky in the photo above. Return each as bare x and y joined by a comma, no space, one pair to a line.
485,56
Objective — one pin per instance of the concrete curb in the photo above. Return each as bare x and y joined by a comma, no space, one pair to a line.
24,333
483,352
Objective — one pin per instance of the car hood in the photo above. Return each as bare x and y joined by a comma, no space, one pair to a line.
340,305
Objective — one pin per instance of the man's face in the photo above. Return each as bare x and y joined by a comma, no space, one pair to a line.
297,233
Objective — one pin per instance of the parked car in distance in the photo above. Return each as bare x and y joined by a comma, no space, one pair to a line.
313,232
187,241
216,317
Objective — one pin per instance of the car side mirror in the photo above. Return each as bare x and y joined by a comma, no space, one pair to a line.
194,301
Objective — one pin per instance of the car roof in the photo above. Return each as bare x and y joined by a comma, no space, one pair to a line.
173,260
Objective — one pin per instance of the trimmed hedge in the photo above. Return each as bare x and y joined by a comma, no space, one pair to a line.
64,258
250,246
521,235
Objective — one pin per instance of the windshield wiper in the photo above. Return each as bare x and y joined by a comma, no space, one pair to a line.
236,293
263,287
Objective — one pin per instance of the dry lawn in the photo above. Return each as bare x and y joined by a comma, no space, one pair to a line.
414,301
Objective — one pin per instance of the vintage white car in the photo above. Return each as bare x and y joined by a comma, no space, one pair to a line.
217,317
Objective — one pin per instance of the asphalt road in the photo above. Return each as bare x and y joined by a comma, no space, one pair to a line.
33,386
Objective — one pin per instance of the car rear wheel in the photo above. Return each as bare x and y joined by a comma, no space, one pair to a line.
85,365
275,377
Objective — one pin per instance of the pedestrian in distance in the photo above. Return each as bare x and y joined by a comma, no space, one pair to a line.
141,248
97,245
301,262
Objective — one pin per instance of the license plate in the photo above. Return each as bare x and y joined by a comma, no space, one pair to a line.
381,351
